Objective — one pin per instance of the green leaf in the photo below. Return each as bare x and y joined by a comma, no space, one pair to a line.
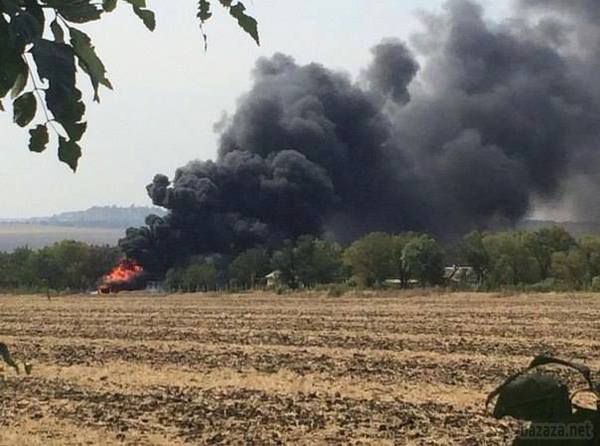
34,8
89,60
10,7
69,152
20,81
204,14
38,138
11,61
23,29
1,106
109,5
204,10
147,17
57,31
247,23
137,3
76,130
56,63
24,108
77,11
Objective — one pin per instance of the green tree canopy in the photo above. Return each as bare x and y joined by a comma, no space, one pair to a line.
284,261
64,265
547,241
423,260
200,276
473,249
317,261
512,261
398,244
590,246
371,258
571,268
250,266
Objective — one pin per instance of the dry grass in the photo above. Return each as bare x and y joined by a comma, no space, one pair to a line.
371,368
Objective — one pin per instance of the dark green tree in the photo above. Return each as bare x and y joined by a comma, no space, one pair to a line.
249,266
474,252
65,265
423,260
547,241
371,258
200,276
174,279
571,268
284,261
399,242
590,246
317,261
512,262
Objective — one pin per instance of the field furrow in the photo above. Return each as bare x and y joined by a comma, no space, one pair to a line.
403,369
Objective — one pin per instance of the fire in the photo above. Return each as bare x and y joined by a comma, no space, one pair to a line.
126,271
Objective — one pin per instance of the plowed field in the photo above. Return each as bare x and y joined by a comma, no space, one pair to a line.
263,369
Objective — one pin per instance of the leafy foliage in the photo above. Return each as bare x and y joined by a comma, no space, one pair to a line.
371,258
38,138
24,108
308,262
513,261
544,260
317,261
547,241
65,265
250,266
199,275
476,255
423,259
571,268
379,256
46,67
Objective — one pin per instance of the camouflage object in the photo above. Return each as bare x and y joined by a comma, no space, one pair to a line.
536,397
545,401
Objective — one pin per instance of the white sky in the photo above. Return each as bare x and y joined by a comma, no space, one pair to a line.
169,93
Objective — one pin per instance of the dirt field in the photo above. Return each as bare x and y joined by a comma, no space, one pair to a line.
262,369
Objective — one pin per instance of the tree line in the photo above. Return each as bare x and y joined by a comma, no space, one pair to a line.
65,266
544,260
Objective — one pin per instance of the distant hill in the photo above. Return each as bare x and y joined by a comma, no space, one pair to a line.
15,235
111,217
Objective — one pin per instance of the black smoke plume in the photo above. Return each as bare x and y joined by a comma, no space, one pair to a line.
461,130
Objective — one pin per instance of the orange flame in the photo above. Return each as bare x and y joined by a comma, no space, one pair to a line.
125,271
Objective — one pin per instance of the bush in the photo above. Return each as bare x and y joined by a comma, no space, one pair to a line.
545,286
282,289
337,290
596,284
